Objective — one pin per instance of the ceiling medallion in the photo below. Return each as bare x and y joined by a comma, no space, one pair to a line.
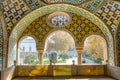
58,19
79,29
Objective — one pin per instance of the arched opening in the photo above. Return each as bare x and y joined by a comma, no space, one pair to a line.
60,48
95,50
27,54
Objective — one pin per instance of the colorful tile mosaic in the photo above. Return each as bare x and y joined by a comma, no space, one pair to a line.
28,19
13,11
110,14
33,4
92,5
1,46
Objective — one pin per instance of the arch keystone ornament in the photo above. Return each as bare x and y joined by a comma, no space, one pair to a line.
28,19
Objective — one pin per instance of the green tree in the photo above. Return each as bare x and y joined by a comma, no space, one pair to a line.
30,59
53,56
63,56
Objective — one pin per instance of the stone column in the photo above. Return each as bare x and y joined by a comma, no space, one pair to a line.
40,54
79,53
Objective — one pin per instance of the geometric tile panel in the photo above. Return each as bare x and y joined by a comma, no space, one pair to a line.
33,4
1,45
92,5
23,24
13,11
110,14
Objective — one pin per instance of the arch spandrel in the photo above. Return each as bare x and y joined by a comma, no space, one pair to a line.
79,27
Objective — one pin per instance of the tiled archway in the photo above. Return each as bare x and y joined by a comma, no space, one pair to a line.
23,24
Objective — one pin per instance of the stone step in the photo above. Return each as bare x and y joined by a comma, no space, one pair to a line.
66,78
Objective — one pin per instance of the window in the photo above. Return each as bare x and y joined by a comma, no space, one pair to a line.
58,19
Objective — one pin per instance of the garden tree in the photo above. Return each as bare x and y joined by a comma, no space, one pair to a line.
53,56
59,41
30,59
63,56
45,55
97,44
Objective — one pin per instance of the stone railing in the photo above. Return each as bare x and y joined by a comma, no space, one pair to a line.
113,71
7,74
60,70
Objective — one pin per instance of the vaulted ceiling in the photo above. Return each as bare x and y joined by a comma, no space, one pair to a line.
107,10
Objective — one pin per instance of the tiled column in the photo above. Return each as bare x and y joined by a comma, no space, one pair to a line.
79,53
40,54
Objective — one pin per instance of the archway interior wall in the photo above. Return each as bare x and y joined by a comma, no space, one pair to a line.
1,44
22,25
118,44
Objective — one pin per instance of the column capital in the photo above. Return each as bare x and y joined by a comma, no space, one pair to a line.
79,49
40,49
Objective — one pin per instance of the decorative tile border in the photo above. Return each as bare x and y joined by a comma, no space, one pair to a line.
1,45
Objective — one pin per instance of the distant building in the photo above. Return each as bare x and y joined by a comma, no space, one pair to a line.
27,46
